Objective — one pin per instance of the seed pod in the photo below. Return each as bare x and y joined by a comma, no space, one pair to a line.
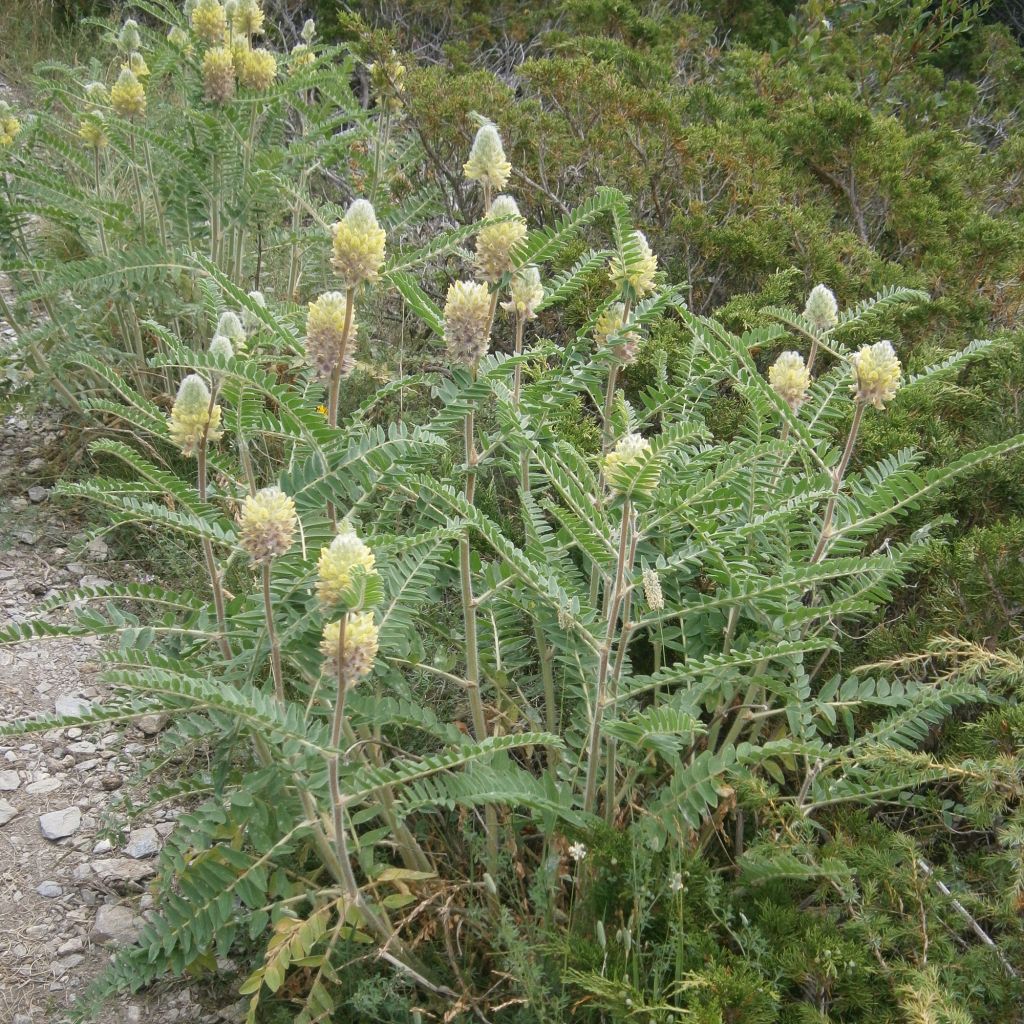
467,322
267,524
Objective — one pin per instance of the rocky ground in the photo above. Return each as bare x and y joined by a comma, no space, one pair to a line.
72,882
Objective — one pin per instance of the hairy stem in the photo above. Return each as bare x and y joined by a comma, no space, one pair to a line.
837,482
335,390
275,644
211,561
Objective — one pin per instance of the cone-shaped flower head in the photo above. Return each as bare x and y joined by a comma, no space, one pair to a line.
248,18
178,38
127,96
209,21
790,379
128,38
137,63
300,57
636,266
525,293
92,130
193,416
257,69
308,30
487,163
358,245
250,321
629,451
338,564
822,309
221,347
231,327
218,74
326,341
10,126
467,322
608,323
878,373
267,525
361,641
652,590
503,229
96,92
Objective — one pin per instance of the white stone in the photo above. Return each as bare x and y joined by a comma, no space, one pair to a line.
49,890
60,824
72,706
9,780
46,785
7,812
115,924
142,842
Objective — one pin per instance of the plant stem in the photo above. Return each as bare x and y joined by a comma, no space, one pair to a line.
335,391
160,223
138,181
601,696
211,562
476,703
837,481
275,644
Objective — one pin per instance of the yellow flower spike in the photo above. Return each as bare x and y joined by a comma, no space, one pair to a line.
300,57
359,245
179,39
209,21
652,590
487,162
257,69
822,309
467,322
639,274
92,130
10,126
361,644
629,451
388,81
193,417
503,229
128,97
325,332
525,293
136,63
878,374
248,18
790,379
338,562
218,75
610,322
129,38
267,524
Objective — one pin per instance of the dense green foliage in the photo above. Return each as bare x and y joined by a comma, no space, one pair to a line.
723,729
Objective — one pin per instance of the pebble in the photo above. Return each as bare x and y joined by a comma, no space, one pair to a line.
49,890
116,924
150,725
10,780
40,786
7,812
60,824
142,842
72,706
37,494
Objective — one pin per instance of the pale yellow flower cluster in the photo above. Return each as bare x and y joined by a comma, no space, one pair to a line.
878,374
338,564
359,245
467,322
790,379
360,647
267,524
503,229
326,341
194,418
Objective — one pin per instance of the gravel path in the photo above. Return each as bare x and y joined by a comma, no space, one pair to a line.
72,884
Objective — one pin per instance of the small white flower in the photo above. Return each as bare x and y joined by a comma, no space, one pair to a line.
577,851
